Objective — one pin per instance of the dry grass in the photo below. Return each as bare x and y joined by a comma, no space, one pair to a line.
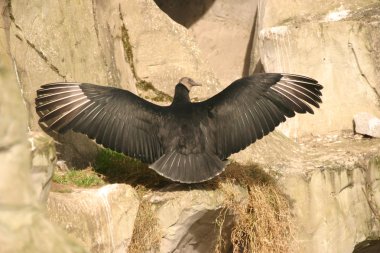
263,225
263,222
146,234
118,168
222,241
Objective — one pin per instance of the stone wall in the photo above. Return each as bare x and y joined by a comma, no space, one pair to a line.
330,180
24,227
336,43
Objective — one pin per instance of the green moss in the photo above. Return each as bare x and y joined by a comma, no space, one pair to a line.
144,85
81,178
127,46
128,52
141,84
10,10
160,96
118,168
108,160
377,161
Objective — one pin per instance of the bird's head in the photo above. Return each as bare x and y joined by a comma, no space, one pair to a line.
188,82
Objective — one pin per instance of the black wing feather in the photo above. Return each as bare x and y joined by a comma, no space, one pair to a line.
266,99
115,118
244,112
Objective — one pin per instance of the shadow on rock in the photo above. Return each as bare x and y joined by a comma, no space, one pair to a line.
186,12
118,168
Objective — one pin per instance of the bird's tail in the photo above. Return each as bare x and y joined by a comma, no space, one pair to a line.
191,168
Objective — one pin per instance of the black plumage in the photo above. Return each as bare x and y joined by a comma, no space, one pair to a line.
186,142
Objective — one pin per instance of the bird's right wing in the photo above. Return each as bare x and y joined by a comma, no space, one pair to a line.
253,106
115,118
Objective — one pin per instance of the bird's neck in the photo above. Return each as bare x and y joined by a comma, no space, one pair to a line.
181,94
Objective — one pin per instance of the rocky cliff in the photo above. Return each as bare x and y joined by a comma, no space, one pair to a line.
24,227
313,185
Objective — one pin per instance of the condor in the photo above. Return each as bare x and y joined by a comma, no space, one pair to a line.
186,141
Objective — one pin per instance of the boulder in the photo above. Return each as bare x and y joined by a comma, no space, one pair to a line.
331,182
187,220
367,124
217,216
102,219
333,207
332,187
43,163
121,43
70,53
14,147
162,51
223,30
24,228
333,42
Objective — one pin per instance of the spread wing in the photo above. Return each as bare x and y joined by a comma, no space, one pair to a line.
115,118
252,107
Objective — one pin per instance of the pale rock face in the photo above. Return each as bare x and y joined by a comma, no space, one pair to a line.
224,34
332,184
367,124
24,228
332,187
331,208
187,218
223,30
113,44
71,52
164,51
15,154
333,42
102,219
43,163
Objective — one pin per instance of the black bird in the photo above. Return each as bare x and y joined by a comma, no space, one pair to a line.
185,141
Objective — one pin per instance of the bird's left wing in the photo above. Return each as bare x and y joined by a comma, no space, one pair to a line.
115,118
253,106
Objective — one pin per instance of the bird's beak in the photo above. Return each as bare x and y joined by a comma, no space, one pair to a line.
193,83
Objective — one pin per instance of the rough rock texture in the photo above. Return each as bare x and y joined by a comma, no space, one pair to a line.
367,124
24,228
333,41
164,51
118,44
332,186
332,182
43,163
333,204
71,53
14,147
102,219
187,218
223,29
